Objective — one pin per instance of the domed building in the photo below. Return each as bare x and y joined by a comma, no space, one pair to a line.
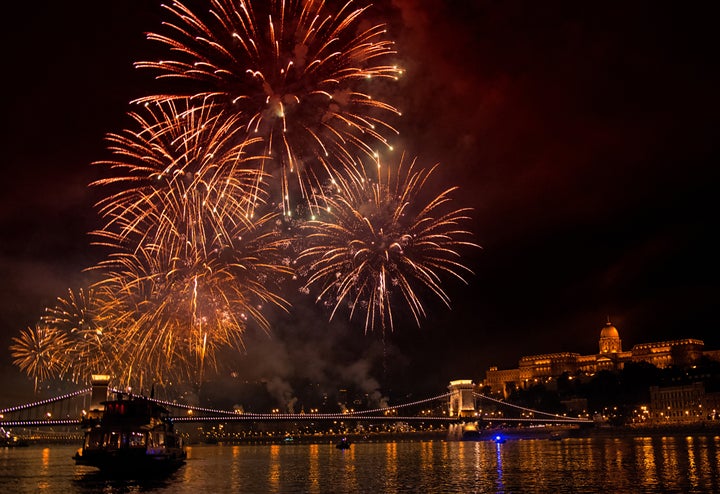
610,341
536,369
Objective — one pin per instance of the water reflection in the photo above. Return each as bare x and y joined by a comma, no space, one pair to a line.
235,470
647,463
314,471
573,465
45,463
692,463
350,478
670,461
274,471
499,468
427,451
96,481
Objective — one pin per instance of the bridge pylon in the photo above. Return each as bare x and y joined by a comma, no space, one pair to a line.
462,399
98,396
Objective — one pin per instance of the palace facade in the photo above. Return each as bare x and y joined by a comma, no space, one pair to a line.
536,369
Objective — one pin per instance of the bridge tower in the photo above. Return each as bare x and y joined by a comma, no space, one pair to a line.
99,395
462,398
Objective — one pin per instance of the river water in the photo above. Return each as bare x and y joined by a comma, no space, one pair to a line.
573,465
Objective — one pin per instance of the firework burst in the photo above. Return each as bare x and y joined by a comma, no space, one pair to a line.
378,243
303,74
185,175
192,262
79,331
174,306
40,353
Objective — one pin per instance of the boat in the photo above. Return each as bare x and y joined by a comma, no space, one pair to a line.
131,435
556,436
9,440
470,432
343,443
499,439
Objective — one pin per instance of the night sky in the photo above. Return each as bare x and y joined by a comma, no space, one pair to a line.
583,135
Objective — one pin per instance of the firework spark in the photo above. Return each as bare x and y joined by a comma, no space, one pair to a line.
302,74
378,240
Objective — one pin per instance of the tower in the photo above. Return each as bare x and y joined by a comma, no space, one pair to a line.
99,395
462,399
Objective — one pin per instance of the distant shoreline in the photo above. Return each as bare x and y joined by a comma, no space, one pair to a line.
442,435
489,434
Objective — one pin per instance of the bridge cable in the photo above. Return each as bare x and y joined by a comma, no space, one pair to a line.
553,415
46,402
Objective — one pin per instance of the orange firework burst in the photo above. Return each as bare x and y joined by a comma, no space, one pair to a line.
40,352
379,243
173,306
192,260
75,321
302,73
185,175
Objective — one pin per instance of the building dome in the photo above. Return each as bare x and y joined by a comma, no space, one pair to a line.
610,339
609,331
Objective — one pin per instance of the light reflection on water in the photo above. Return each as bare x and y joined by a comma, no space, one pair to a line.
314,471
669,464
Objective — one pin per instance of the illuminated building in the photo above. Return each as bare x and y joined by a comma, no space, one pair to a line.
683,404
535,369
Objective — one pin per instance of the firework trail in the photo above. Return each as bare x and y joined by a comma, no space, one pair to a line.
303,74
378,243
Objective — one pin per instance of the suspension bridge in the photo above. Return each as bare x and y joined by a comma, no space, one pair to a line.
460,404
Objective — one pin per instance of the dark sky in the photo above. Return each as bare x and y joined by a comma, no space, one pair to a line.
583,135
